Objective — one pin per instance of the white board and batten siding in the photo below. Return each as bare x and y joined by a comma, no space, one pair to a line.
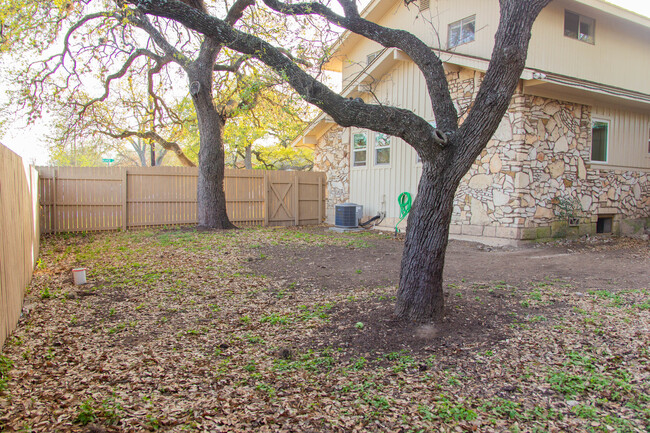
377,187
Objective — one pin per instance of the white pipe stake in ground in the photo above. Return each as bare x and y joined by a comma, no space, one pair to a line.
79,276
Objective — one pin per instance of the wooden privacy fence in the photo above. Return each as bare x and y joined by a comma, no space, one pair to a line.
19,235
110,198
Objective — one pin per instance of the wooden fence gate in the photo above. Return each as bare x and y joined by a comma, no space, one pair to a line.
111,198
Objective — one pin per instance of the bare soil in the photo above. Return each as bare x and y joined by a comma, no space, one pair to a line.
585,263
473,317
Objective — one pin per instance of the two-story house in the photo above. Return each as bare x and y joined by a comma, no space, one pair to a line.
572,154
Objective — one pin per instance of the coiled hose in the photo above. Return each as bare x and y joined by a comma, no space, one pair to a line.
405,202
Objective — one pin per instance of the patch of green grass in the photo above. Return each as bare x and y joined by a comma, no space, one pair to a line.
615,298
502,408
580,375
316,312
585,411
276,319
310,361
45,293
5,366
254,339
359,363
446,410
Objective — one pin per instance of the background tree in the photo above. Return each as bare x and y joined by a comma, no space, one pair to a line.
105,42
447,152
261,135
125,124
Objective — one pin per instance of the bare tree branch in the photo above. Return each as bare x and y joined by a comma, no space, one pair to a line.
151,135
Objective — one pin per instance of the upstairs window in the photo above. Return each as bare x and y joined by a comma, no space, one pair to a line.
599,140
359,149
382,149
462,32
579,27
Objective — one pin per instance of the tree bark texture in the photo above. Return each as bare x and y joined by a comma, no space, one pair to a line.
248,160
211,197
420,292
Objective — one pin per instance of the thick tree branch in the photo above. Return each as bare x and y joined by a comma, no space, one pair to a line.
424,57
390,120
237,11
167,145
502,77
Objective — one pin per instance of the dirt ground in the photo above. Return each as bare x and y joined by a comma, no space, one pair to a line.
585,263
472,316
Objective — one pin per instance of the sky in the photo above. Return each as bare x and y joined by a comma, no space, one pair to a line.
31,143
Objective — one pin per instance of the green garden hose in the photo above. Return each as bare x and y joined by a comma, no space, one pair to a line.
404,201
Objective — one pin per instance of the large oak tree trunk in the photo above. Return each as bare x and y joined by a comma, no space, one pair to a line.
420,295
211,198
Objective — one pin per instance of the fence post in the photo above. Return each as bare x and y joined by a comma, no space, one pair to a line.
124,198
267,202
54,200
320,199
296,194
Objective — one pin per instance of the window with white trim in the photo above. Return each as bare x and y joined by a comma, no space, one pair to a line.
462,32
599,140
359,149
382,149
579,27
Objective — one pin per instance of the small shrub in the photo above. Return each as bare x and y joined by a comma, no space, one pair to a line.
86,413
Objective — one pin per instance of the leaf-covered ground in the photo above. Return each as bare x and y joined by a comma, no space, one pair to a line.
176,332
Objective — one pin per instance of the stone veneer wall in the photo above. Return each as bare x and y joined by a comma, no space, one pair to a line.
538,157
539,153
331,156
560,135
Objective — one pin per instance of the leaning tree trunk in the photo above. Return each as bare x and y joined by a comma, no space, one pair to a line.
420,296
211,198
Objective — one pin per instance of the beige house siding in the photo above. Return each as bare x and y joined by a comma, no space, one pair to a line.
618,42
620,56
628,137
